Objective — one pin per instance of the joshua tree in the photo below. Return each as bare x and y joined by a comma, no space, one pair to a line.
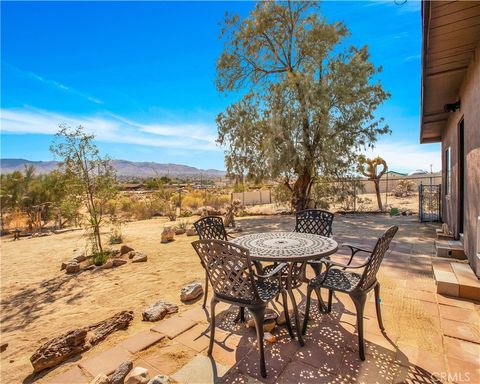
368,168
306,101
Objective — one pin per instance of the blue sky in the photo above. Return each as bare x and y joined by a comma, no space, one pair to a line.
141,76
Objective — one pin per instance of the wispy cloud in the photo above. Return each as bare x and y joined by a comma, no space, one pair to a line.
411,57
114,129
55,84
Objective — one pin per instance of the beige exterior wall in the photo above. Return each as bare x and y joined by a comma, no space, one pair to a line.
470,112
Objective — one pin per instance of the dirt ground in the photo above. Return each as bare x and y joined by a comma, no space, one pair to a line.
39,302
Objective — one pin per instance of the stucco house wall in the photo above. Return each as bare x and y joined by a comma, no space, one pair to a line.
469,95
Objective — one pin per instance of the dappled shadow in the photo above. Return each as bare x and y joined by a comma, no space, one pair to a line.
32,302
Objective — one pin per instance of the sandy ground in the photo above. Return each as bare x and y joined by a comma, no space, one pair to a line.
40,302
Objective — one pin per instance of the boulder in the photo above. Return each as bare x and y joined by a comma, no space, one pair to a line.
3,347
125,249
191,291
131,254
270,316
191,232
72,267
139,257
168,235
137,375
107,265
118,262
101,330
118,377
180,231
160,379
59,349
100,379
158,310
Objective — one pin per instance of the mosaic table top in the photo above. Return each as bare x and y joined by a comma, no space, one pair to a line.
287,246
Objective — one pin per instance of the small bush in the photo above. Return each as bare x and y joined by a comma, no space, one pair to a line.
99,258
116,237
186,213
404,188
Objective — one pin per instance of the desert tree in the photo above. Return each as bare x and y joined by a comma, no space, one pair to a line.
370,169
306,100
90,176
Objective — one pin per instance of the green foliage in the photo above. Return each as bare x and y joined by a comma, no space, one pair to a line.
90,176
308,100
100,258
282,195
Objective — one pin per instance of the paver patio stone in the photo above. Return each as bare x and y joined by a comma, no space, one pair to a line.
234,376
106,362
198,314
421,295
455,302
152,371
199,370
170,358
298,372
373,370
459,314
141,341
321,355
73,376
467,350
461,330
277,356
196,338
462,371
414,374
228,348
173,326
419,361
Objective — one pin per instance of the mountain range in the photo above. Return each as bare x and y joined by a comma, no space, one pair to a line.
124,168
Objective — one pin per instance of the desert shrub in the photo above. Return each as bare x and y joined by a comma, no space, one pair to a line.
217,201
186,213
192,201
404,188
99,258
183,224
364,204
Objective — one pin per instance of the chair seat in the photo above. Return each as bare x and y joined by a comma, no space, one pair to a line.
337,279
267,290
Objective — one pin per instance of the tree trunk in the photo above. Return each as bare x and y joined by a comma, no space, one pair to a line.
377,191
301,192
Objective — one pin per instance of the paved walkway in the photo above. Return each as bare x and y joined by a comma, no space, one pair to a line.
429,338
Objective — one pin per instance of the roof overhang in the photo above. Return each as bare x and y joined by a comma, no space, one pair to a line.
450,34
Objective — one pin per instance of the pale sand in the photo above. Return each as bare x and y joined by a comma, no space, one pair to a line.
40,302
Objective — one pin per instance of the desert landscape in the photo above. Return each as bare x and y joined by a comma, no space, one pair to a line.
39,301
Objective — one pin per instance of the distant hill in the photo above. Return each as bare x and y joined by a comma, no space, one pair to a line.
124,168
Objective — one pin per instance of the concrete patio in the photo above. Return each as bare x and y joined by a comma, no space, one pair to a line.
429,337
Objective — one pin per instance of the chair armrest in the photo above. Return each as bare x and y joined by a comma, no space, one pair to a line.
355,247
272,273
331,263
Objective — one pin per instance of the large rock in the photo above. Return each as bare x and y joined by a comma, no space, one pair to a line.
191,232
72,267
160,379
125,249
180,231
139,257
158,310
137,375
269,321
101,330
191,291
107,265
118,262
59,349
281,320
168,235
118,377
100,379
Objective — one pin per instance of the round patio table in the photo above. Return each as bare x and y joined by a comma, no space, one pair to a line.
292,248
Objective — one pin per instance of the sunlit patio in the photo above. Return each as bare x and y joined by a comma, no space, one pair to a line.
428,337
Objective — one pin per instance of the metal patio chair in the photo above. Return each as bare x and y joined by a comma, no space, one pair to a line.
230,271
337,277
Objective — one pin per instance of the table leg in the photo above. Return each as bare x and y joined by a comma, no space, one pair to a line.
294,304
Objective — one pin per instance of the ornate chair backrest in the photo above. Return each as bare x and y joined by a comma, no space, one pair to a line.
229,270
369,275
314,221
211,227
